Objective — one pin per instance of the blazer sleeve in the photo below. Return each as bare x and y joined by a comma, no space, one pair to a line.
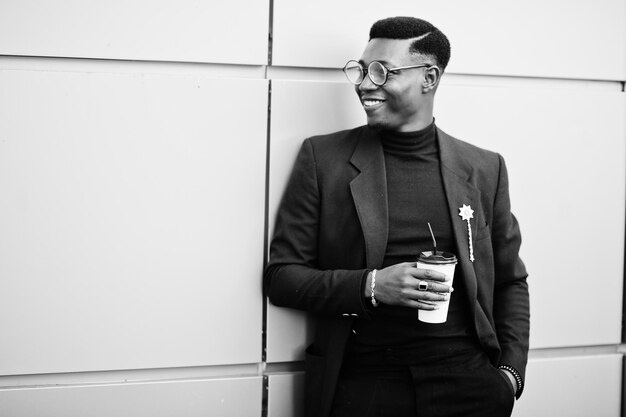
291,277
511,299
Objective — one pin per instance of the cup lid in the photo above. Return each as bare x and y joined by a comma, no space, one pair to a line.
439,257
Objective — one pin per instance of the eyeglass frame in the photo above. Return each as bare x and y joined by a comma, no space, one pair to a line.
366,71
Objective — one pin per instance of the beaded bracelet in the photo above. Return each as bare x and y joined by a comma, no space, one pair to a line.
518,378
373,287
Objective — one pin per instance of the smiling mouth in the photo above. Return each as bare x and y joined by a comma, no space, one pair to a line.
372,102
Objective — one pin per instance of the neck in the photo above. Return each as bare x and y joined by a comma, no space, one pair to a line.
420,123
422,119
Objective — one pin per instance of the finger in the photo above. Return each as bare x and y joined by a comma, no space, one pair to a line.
426,285
429,274
422,305
436,287
427,296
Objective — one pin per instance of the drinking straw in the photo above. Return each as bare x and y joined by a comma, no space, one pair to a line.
434,241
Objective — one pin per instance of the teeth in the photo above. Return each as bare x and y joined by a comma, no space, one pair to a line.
368,103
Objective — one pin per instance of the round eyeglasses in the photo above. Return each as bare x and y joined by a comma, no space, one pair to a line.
376,71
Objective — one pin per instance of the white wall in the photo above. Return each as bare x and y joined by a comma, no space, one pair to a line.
133,146
132,207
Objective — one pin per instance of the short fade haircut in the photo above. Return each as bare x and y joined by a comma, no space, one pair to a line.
429,41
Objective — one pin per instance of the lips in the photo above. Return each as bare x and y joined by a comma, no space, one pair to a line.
371,102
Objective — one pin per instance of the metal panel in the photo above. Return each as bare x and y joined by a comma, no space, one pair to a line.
218,397
573,387
155,30
569,386
532,38
565,151
300,109
286,395
132,216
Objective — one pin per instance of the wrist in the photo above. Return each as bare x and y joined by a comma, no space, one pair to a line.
514,376
367,290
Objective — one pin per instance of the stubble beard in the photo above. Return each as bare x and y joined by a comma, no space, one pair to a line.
377,123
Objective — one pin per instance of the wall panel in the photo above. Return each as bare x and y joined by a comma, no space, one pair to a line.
573,387
531,38
568,386
567,160
289,332
300,109
303,109
565,151
187,30
124,204
286,395
219,397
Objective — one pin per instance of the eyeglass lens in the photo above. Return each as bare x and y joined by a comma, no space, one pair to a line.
355,73
377,73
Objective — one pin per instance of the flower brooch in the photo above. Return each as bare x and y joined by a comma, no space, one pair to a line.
466,214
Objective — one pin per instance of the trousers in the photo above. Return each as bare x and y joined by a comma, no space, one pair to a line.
460,383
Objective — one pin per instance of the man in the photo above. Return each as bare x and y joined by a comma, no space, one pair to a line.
354,216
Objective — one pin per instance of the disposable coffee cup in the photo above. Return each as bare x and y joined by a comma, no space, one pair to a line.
445,263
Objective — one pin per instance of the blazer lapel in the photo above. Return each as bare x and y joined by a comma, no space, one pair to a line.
459,192
369,192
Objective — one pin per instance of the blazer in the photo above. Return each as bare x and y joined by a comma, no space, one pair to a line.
331,228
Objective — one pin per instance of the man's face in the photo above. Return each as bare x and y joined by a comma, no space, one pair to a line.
396,105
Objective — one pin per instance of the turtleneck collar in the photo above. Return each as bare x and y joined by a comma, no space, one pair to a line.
421,142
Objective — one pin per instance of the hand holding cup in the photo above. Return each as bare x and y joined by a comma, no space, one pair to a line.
400,285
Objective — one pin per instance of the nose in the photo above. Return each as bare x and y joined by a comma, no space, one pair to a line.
367,84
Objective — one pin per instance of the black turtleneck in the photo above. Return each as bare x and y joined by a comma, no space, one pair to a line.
416,197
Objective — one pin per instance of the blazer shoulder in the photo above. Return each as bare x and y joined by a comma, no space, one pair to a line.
336,145
338,138
464,146
466,154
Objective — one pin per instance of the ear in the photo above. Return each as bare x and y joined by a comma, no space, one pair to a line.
432,75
